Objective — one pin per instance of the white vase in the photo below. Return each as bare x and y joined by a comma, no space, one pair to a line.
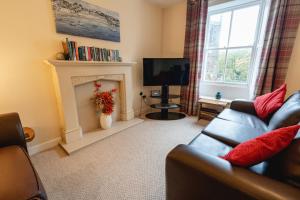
105,121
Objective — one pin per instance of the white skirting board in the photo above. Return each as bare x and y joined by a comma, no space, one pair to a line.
43,146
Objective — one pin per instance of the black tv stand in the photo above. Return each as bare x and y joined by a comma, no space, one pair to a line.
164,106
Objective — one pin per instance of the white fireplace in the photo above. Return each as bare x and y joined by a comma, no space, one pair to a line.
67,75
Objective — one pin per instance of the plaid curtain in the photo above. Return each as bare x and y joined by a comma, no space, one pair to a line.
278,44
193,49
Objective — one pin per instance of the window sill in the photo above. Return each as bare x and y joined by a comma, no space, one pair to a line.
222,84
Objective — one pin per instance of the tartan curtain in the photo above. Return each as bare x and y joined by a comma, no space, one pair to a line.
193,49
278,44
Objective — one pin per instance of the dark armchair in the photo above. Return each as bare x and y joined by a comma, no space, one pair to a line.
19,180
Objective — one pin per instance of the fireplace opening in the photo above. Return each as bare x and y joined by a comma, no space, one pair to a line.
87,114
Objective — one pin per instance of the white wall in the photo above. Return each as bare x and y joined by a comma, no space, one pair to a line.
28,37
174,20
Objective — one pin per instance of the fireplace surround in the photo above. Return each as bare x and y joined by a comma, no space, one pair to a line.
69,74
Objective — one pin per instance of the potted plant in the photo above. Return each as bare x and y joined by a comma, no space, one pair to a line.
104,104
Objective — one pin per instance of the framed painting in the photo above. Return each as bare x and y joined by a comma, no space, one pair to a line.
80,18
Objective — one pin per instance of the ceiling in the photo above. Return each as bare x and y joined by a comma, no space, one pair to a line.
165,3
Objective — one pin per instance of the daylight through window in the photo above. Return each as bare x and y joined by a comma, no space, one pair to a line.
231,38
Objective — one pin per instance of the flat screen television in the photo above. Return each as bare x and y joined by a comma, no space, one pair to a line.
166,71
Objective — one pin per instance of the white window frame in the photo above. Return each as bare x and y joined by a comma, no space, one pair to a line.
229,7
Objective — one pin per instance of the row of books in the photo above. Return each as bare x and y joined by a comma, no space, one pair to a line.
83,53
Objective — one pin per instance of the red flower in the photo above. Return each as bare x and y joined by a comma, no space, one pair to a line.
97,85
104,100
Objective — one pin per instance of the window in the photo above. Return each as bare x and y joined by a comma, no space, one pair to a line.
231,43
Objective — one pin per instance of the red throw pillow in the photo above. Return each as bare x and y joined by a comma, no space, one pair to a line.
270,102
262,147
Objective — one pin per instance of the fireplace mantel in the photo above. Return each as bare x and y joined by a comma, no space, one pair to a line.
68,63
67,75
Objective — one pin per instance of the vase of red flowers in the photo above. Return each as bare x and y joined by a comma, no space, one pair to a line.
105,105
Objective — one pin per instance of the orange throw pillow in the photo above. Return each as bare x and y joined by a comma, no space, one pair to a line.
270,102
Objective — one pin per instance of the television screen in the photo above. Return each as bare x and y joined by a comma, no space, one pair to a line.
166,71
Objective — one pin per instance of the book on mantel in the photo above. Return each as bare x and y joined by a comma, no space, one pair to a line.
83,53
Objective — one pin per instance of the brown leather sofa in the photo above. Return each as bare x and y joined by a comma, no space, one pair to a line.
18,178
196,171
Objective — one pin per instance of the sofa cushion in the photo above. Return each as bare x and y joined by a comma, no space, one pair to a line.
288,114
285,166
18,178
209,145
243,118
214,147
230,133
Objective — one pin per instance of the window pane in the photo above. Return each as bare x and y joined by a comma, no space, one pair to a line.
219,25
215,63
238,62
244,26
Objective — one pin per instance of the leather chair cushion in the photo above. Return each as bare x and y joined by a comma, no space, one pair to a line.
230,133
209,145
214,147
262,147
18,179
288,114
285,166
243,118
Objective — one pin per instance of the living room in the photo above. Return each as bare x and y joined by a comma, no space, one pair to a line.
150,99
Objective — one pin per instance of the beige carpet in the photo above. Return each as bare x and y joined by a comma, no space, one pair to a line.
128,165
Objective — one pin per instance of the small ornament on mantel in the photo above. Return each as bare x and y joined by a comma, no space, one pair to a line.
104,104
60,56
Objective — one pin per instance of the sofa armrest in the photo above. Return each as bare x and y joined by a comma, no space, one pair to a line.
192,175
243,106
11,131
